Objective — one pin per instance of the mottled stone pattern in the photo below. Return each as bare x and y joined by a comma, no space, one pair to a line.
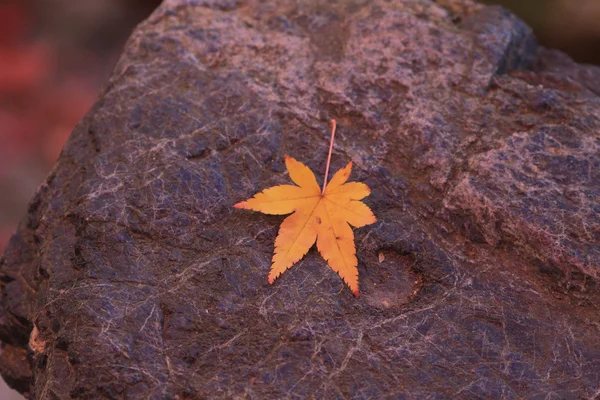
133,277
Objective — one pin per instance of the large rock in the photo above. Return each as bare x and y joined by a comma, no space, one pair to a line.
133,277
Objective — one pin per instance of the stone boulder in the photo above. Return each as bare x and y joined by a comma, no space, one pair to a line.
132,276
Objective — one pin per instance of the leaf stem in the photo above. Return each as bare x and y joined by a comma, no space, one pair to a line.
333,125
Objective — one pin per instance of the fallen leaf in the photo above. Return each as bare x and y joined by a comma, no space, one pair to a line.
318,215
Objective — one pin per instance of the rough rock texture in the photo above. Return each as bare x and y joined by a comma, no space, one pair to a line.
133,277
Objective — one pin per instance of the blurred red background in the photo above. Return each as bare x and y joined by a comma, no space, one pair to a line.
54,57
56,54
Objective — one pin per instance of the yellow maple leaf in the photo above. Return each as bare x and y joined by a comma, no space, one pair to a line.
318,215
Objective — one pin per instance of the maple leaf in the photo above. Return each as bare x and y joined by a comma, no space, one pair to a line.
318,215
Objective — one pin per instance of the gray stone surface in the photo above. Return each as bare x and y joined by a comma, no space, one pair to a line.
133,277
